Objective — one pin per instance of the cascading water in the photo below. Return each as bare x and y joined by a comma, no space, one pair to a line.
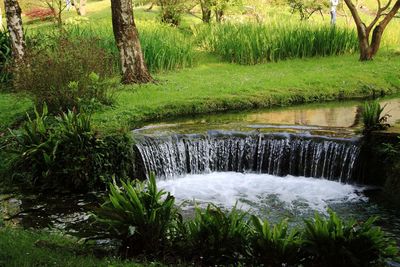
277,154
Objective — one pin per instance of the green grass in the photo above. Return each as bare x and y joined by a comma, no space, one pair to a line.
12,108
252,43
215,87
22,248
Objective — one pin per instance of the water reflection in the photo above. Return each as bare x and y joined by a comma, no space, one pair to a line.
332,114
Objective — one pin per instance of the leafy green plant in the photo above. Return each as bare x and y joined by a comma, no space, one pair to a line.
275,245
218,237
373,117
334,242
64,154
34,147
140,215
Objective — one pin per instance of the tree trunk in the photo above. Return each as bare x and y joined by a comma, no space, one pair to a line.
82,8
368,49
134,69
14,25
205,11
218,15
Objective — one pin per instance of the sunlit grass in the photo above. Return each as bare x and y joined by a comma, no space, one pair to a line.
251,43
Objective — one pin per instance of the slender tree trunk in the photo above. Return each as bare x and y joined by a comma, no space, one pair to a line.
1,20
205,11
134,69
218,15
150,7
14,25
82,8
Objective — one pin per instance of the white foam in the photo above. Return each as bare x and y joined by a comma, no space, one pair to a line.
260,191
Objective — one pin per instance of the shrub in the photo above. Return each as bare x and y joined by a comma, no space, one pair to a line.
140,215
5,57
40,13
259,43
218,237
333,242
65,72
373,117
275,245
66,155
171,11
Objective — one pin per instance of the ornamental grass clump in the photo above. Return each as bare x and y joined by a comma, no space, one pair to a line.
5,58
251,43
164,48
373,117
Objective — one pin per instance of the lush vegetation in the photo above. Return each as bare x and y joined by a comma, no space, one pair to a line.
164,48
76,138
64,153
137,212
259,43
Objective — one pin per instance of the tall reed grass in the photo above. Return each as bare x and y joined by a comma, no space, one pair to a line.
258,43
164,48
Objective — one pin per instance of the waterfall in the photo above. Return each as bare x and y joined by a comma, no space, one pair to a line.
278,154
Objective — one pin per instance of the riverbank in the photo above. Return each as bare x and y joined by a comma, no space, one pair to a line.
214,86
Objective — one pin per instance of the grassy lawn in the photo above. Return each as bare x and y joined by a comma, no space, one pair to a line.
12,108
215,86
22,248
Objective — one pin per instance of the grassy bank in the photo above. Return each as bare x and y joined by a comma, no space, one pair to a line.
215,87
20,248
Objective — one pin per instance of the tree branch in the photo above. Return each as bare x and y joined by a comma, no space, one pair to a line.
354,12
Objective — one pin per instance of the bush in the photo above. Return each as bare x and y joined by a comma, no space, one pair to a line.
218,237
333,242
258,43
40,13
140,216
66,155
275,245
171,11
373,117
65,72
